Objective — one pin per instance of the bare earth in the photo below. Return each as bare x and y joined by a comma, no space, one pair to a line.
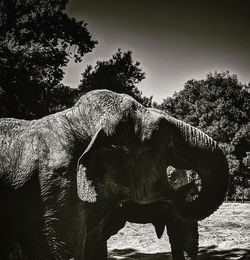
224,235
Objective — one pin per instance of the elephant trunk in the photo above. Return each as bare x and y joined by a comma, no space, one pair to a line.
195,150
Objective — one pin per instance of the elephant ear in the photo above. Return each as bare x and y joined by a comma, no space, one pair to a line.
85,189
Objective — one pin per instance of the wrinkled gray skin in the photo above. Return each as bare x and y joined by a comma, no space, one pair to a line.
124,149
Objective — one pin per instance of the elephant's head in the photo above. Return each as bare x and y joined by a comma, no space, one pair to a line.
123,160
132,146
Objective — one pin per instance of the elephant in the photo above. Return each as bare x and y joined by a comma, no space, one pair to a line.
65,173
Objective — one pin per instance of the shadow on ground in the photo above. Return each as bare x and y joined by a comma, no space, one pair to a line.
205,253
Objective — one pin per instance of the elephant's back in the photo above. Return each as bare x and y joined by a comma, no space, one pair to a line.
11,127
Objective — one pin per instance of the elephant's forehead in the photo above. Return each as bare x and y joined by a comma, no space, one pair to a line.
150,123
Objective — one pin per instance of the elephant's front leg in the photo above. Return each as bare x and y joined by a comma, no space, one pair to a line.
64,217
33,243
191,239
175,242
96,244
183,237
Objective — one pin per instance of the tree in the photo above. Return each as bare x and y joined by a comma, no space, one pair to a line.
220,106
120,74
37,39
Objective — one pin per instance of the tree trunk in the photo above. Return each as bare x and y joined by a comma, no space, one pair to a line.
226,199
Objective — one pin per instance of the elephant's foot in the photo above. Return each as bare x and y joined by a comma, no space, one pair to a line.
187,257
179,254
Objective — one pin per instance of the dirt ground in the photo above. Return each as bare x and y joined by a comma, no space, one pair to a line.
224,235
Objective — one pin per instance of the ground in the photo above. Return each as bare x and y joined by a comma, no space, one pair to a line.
224,235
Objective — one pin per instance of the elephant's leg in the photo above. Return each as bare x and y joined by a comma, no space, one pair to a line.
33,244
96,247
191,239
183,237
64,216
175,242
96,243
11,253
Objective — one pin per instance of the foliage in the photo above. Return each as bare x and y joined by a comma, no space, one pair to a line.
220,106
120,74
36,42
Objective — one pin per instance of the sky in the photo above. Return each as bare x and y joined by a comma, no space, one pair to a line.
173,40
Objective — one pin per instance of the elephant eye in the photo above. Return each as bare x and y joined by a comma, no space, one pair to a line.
114,154
120,148
122,153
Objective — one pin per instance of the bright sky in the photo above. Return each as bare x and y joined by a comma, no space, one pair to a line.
173,40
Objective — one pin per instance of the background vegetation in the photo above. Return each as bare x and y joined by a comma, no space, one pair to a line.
38,39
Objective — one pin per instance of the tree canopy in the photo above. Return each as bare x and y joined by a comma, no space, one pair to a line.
37,39
120,74
219,104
